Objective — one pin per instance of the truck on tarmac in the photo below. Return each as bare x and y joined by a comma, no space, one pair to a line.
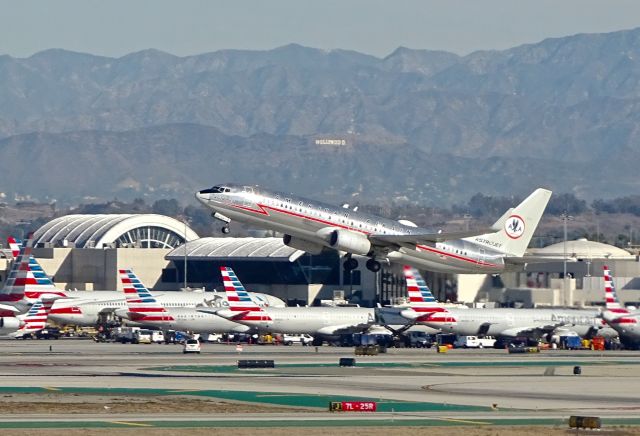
475,342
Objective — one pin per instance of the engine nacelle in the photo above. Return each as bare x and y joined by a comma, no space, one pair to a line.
9,323
302,244
351,242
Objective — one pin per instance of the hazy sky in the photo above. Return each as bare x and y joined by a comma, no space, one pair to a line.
117,27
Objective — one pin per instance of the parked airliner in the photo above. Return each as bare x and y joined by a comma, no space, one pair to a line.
294,320
499,322
85,308
143,308
311,226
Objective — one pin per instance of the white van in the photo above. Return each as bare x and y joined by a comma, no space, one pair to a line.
143,337
475,342
157,336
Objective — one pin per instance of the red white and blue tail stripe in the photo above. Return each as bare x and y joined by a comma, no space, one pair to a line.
27,280
612,302
240,302
36,318
424,306
142,306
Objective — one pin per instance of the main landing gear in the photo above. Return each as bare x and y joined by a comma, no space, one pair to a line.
373,265
350,264
225,230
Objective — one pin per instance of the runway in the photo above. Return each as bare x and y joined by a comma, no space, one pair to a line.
411,386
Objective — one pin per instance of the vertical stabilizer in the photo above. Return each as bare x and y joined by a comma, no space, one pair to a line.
518,226
141,305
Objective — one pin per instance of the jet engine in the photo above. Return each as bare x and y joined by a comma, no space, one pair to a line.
302,244
351,242
10,323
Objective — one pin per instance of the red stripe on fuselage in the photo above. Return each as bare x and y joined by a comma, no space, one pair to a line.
263,211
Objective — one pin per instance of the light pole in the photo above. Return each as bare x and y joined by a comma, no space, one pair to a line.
185,252
565,218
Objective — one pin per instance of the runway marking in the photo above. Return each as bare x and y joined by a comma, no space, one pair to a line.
49,388
135,424
464,421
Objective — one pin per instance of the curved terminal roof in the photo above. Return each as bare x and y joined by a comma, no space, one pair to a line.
582,249
236,248
123,230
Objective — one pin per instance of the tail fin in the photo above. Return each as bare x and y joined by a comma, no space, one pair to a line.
519,226
240,302
141,304
27,279
612,303
423,306
36,318
14,245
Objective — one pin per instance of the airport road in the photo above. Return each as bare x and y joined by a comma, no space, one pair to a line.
411,386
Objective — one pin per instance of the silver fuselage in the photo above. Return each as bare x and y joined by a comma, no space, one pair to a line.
303,218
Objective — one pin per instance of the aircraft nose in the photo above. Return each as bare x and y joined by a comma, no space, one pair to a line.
202,196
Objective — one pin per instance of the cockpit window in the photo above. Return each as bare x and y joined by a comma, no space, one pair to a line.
216,190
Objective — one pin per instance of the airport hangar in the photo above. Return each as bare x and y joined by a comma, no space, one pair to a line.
85,251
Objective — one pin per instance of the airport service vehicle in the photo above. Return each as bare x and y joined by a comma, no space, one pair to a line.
621,319
288,339
143,308
475,342
143,336
290,320
157,336
499,322
311,226
191,346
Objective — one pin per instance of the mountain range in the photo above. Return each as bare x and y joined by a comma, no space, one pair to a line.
426,126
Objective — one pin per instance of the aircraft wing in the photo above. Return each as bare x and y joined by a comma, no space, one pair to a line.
514,260
422,238
346,328
534,330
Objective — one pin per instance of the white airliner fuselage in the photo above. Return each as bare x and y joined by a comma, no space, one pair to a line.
518,322
310,320
84,307
310,226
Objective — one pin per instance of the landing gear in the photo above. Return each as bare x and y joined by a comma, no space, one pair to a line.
225,230
350,263
373,265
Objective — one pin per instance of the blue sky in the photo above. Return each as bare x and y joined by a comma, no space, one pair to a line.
118,27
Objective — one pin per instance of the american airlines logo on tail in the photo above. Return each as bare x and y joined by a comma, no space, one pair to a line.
36,317
239,299
141,304
514,226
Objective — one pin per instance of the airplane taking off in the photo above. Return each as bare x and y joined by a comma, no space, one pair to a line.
311,226
143,308
293,320
619,317
498,322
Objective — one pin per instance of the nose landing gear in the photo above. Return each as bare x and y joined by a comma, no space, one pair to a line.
225,230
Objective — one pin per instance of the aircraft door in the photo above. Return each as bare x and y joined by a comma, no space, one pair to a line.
482,256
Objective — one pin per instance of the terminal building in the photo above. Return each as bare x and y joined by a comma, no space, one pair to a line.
85,252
